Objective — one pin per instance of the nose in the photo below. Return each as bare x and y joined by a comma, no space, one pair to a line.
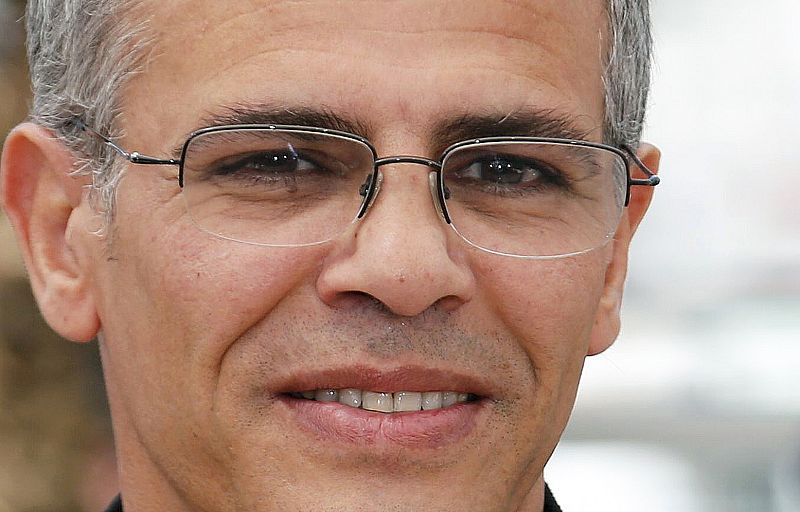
401,253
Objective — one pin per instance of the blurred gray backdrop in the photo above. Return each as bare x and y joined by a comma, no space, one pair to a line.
697,405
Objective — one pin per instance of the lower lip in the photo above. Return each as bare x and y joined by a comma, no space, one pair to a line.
332,421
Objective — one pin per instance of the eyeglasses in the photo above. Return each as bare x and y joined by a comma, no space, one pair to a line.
294,186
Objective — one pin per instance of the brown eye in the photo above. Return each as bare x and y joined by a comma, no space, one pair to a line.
267,163
501,170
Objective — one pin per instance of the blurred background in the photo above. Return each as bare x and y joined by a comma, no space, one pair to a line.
56,453
697,405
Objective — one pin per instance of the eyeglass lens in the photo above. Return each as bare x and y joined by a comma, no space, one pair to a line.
292,188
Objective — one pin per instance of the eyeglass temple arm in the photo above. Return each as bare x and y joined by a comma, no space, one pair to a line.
651,181
133,157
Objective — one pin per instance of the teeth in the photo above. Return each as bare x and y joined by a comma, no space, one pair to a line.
407,401
449,398
351,397
326,395
431,401
401,401
381,402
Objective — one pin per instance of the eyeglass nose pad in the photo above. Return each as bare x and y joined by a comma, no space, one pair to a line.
370,192
433,183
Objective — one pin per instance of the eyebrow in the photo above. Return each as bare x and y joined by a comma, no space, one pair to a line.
267,114
527,122
545,123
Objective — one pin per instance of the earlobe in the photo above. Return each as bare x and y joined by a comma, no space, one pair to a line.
607,319
48,212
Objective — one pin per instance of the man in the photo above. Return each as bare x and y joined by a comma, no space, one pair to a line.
291,318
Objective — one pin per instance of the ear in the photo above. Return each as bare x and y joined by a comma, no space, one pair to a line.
50,217
607,321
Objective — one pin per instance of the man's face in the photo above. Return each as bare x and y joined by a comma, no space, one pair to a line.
203,338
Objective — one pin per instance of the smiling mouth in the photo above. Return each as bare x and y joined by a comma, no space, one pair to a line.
388,402
399,407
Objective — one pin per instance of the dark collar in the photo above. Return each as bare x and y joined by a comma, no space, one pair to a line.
116,505
550,504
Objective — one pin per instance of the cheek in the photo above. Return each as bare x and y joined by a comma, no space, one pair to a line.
185,281
176,298
549,307
547,294
215,290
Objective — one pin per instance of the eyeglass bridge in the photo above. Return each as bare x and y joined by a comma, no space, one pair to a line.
369,191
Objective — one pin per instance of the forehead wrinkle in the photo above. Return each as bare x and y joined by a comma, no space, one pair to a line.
509,31
411,61
518,28
506,32
537,83
531,74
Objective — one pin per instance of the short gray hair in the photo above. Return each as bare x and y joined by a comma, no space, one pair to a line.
627,74
82,53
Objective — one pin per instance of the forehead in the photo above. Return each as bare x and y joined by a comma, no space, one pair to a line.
403,62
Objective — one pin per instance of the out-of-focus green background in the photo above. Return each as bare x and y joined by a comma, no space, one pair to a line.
696,407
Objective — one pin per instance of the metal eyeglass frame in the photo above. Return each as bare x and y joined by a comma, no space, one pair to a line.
369,189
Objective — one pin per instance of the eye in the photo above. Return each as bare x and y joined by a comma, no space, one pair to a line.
504,170
281,163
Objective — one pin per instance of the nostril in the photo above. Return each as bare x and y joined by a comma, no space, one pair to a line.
358,300
450,303
363,302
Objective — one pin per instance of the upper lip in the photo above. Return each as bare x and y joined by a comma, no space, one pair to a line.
388,380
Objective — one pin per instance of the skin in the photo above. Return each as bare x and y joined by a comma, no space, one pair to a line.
194,329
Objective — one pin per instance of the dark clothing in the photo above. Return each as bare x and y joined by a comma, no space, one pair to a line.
550,504
116,505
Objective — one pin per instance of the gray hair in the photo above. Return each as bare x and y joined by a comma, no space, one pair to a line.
627,74
82,53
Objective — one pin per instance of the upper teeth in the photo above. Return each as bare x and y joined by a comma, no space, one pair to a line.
400,401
